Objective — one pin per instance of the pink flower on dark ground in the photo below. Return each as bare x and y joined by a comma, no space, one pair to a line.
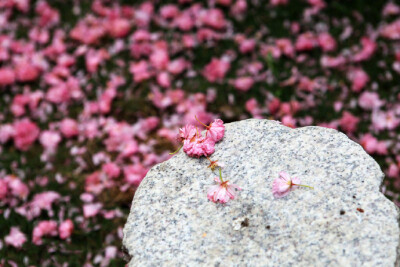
385,120
359,79
247,46
111,169
118,27
65,229
393,171
91,210
332,62
44,200
216,69
6,133
223,191
26,71
44,228
372,145
326,42
370,101
306,41
3,189
243,83
349,122
278,2
15,238
391,9
159,58
69,127
286,47
50,139
163,79
25,133
284,184
368,49
7,76
134,174
140,70
392,30
17,187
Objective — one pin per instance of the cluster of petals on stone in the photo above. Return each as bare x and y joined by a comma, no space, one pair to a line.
196,145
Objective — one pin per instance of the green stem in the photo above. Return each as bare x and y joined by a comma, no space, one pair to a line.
304,185
220,176
172,153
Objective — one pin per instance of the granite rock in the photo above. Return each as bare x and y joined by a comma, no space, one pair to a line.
344,221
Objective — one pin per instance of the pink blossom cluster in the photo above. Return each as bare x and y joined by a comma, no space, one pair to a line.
197,145
93,94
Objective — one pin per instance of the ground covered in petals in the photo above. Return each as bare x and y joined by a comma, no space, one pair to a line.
93,94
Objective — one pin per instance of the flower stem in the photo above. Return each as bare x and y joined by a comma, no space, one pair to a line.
220,176
304,185
172,153
201,122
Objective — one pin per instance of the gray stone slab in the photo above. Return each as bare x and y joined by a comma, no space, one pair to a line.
172,223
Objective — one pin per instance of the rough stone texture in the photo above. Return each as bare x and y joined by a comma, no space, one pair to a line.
172,223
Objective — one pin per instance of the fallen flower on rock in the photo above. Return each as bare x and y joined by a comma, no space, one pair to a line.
215,130
284,184
196,145
223,191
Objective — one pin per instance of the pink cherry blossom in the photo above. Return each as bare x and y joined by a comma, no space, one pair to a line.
118,27
306,41
223,191
368,49
392,30
370,101
26,72
359,79
243,83
16,238
6,133
216,69
3,189
65,229
134,174
91,210
187,132
284,184
385,120
216,130
25,133
17,187
7,76
50,139
44,228
349,122
111,169
69,127
198,146
326,42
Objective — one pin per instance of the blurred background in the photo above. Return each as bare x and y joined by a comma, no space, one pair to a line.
93,94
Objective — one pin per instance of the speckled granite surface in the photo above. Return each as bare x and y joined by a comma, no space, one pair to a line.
173,224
